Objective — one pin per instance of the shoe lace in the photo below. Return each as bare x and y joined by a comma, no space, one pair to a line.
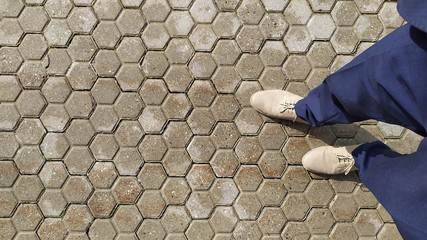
288,106
346,159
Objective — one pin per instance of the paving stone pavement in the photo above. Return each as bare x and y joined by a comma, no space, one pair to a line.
130,119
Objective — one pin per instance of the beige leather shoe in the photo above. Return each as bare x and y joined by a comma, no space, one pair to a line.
276,104
330,160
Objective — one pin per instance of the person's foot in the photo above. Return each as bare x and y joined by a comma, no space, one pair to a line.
330,160
276,104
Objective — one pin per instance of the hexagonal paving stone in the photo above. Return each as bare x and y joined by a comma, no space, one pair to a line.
343,207
9,116
28,188
389,231
199,229
151,153
155,10
203,37
248,178
176,106
200,205
364,198
179,23
272,164
179,50
151,229
175,219
176,162
106,34
57,32
344,40
27,217
77,189
344,183
271,220
151,204
29,159
52,228
200,176
8,203
225,135
297,68
82,19
388,15
104,147
295,207
319,193
52,203
128,161
345,13
201,93
101,203
11,60
271,192
203,11
319,221
102,174
226,52
54,146
250,39
223,219
102,228
78,160
104,118
10,88
175,191
272,136
294,149
247,230
109,9
298,12
297,39
224,163
154,64
81,76
53,174
105,91
152,119
155,36
200,149
82,48
247,206
32,74
80,132
33,18
320,136
226,79
249,66
77,218
126,190
294,230
130,21
178,78
128,105
201,121
126,218
274,26
248,150
226,24
152,176
367,223
106,63
10,27
128,133
370,33
177,134
343,230
33,46
55,118
202,65
273,78
130,49
224,191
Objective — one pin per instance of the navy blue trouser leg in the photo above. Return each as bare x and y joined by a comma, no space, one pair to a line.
388,82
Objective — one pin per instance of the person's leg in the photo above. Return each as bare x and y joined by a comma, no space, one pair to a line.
399,182
387,82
